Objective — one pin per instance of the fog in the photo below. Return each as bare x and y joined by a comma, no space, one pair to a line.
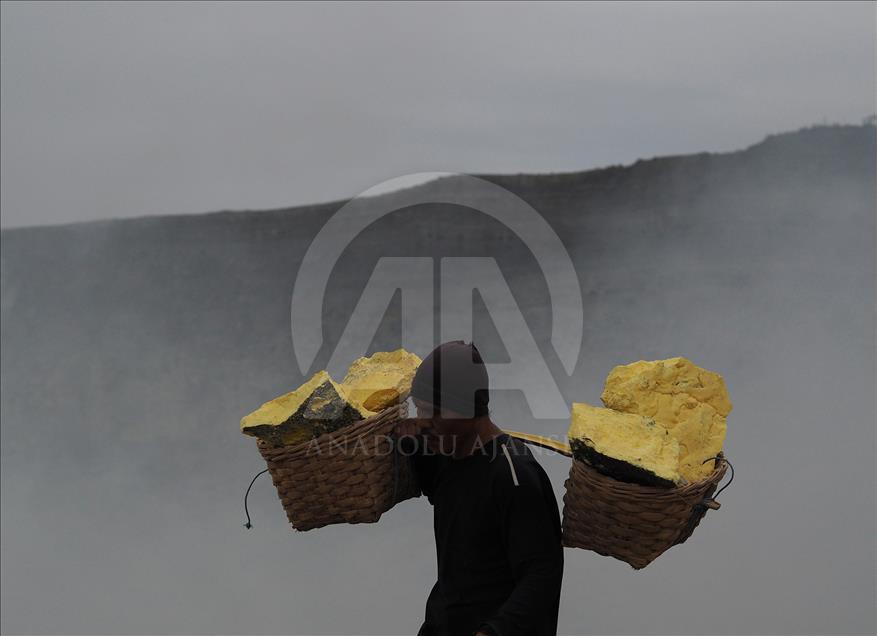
132,348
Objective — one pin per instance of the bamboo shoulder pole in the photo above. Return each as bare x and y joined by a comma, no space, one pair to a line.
545,442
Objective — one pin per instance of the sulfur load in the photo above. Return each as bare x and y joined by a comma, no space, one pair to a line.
321,405
662,419
316,407
689,401
377,382
628,447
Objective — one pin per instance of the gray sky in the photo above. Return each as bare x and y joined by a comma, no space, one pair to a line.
116,110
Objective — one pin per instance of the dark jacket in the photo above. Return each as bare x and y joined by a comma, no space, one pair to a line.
498,546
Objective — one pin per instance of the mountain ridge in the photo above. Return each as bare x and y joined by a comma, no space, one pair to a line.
805,138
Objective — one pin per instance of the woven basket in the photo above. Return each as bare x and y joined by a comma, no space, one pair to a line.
352,475
630,522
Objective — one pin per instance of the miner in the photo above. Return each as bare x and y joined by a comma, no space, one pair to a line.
495,516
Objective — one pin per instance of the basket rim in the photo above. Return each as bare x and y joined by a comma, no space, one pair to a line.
714,477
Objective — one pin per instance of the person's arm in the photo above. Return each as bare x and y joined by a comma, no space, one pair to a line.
530,535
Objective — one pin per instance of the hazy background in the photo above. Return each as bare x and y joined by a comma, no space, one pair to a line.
113,110
131,348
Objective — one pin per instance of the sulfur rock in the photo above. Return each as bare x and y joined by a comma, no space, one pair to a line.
376,382
625,446
690,402
318,406
322,405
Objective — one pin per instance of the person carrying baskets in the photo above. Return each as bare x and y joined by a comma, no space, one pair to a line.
496,520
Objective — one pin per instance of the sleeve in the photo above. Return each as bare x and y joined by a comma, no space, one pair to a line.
531,537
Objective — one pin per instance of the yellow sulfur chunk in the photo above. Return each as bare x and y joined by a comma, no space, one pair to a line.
381,380
625,446
318,406
690,402
321,405
280,409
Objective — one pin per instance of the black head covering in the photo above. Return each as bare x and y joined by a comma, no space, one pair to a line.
453,376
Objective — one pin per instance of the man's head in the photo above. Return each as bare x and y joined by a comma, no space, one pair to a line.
451,387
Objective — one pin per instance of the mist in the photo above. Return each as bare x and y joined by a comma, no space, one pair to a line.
131,349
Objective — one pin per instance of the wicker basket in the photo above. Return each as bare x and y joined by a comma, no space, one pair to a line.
630,522
352,475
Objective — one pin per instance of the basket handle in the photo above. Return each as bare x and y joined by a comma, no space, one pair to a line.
711,503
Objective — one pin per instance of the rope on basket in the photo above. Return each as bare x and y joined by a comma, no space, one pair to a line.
711,503
396,469
249,525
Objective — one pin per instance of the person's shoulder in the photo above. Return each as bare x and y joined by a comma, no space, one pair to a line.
516,469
